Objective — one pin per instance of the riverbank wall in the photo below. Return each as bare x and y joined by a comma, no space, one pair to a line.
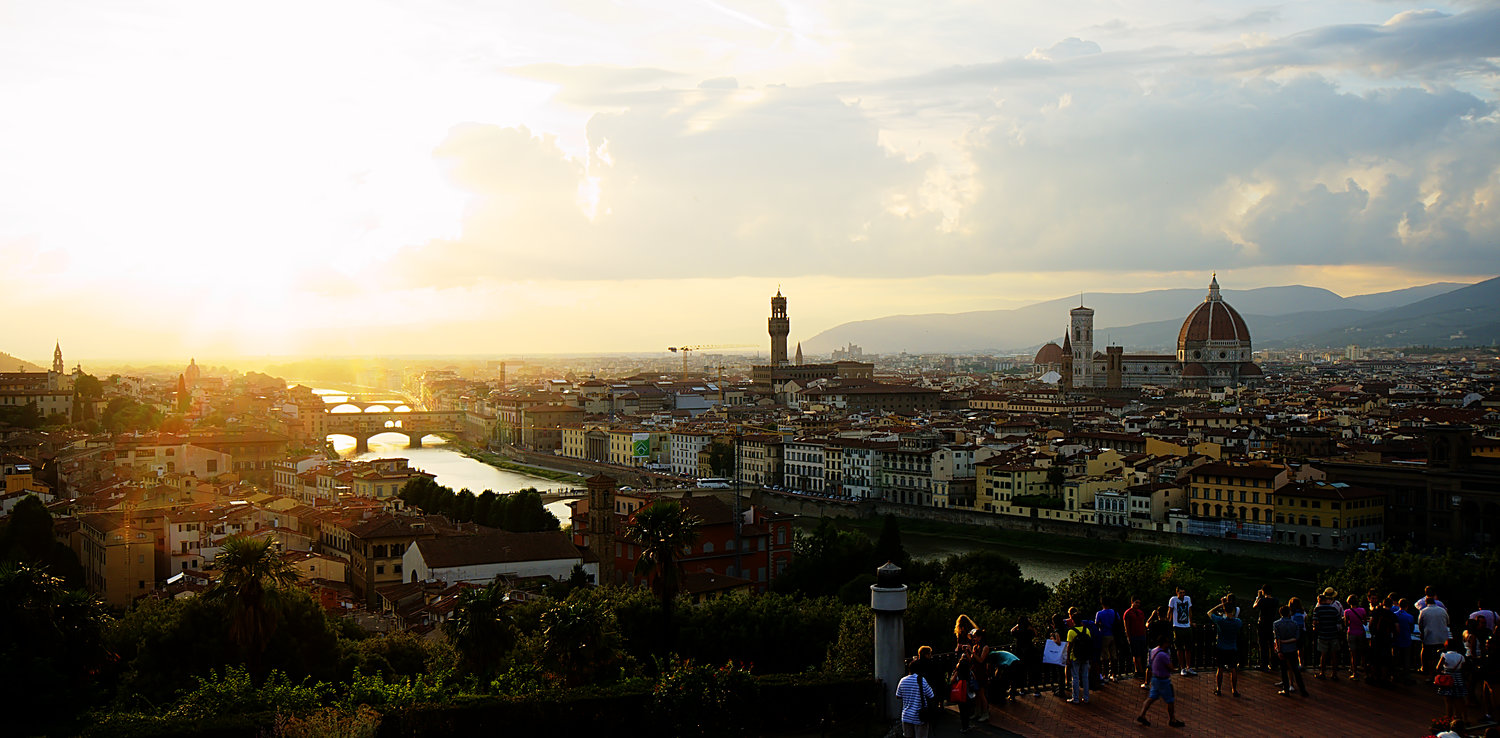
624,476
818,508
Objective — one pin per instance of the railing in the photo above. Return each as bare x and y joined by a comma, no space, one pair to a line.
1032,675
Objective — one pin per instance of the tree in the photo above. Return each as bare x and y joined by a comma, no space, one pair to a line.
482,630
888,547
52,647
184,400
252,575
28,539
87,389
661,530
721,458
582,639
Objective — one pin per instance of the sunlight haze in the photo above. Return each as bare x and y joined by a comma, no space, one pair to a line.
181,178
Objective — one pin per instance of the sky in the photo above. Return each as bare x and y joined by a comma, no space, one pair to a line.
364,177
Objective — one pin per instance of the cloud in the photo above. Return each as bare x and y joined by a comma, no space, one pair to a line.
1151,158
1068,48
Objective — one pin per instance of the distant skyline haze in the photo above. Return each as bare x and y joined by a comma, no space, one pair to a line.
188,178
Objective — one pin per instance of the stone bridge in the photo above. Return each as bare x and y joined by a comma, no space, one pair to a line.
362,426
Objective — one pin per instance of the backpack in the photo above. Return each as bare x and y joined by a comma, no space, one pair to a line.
1083,642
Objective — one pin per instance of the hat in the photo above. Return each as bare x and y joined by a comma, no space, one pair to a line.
1328,592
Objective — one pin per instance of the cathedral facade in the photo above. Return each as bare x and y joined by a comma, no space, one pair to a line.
1213,350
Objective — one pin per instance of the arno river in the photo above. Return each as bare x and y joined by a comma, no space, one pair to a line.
452,468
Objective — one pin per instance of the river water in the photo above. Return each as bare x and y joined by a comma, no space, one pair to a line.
453,469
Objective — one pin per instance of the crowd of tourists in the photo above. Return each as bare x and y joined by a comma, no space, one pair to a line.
1385,641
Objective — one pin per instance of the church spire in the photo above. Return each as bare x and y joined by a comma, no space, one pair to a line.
1213,287
57,360
799,353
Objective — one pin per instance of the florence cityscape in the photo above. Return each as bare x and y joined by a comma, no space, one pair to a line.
750,368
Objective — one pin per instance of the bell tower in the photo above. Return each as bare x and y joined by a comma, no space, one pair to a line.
779,326
57,362
1082,330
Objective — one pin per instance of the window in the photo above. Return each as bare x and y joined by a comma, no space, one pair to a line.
380,568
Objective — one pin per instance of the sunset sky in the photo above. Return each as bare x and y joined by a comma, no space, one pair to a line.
216,180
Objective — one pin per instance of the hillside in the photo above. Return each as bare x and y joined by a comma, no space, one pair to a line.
1466,316
10,363
1138,321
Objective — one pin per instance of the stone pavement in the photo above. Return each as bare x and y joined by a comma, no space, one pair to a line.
1336,708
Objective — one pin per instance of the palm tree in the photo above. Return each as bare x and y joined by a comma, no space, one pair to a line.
581,638
251,574
482,629
662,530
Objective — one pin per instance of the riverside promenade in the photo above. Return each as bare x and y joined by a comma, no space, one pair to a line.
1340,707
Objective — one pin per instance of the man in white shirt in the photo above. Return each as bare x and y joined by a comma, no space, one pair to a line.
1433,622
1181,608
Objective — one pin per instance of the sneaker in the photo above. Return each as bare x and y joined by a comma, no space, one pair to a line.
1143,721
1072,701
1176,723
1183,672
1190,672
1036,694
985,717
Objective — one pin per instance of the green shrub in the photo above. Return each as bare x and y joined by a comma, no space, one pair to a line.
692,699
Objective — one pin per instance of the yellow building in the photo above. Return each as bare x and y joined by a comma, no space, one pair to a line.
998,483
118,557
1244,492
1337,517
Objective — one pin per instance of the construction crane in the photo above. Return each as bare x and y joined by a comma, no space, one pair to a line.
685,350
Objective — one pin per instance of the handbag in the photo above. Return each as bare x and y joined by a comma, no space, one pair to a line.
1443,680
959,693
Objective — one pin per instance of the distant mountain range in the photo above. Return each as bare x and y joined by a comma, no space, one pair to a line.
10,363
1293,315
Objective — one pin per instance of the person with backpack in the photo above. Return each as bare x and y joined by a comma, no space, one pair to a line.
1081,649
1159,670
917,703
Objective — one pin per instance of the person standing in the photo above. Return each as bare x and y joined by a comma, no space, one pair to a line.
915,694
1160,672
1227,626
1134,622
1328,626
1080,650
1354,625
1025,648
1381,625
1433,620
1288,633
979,663
1486,615
1405,641
1107,624
1450,678
1181,608
1266,610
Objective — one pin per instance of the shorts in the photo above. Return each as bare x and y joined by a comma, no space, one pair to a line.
1228,658
1182,638
1328,645
1161,688
913,730
1358,642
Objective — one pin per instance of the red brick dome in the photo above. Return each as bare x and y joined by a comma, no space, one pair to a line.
1049,354
1249,369
1194,370
1213,320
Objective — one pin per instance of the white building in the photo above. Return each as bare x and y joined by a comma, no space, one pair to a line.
479,559
683,448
